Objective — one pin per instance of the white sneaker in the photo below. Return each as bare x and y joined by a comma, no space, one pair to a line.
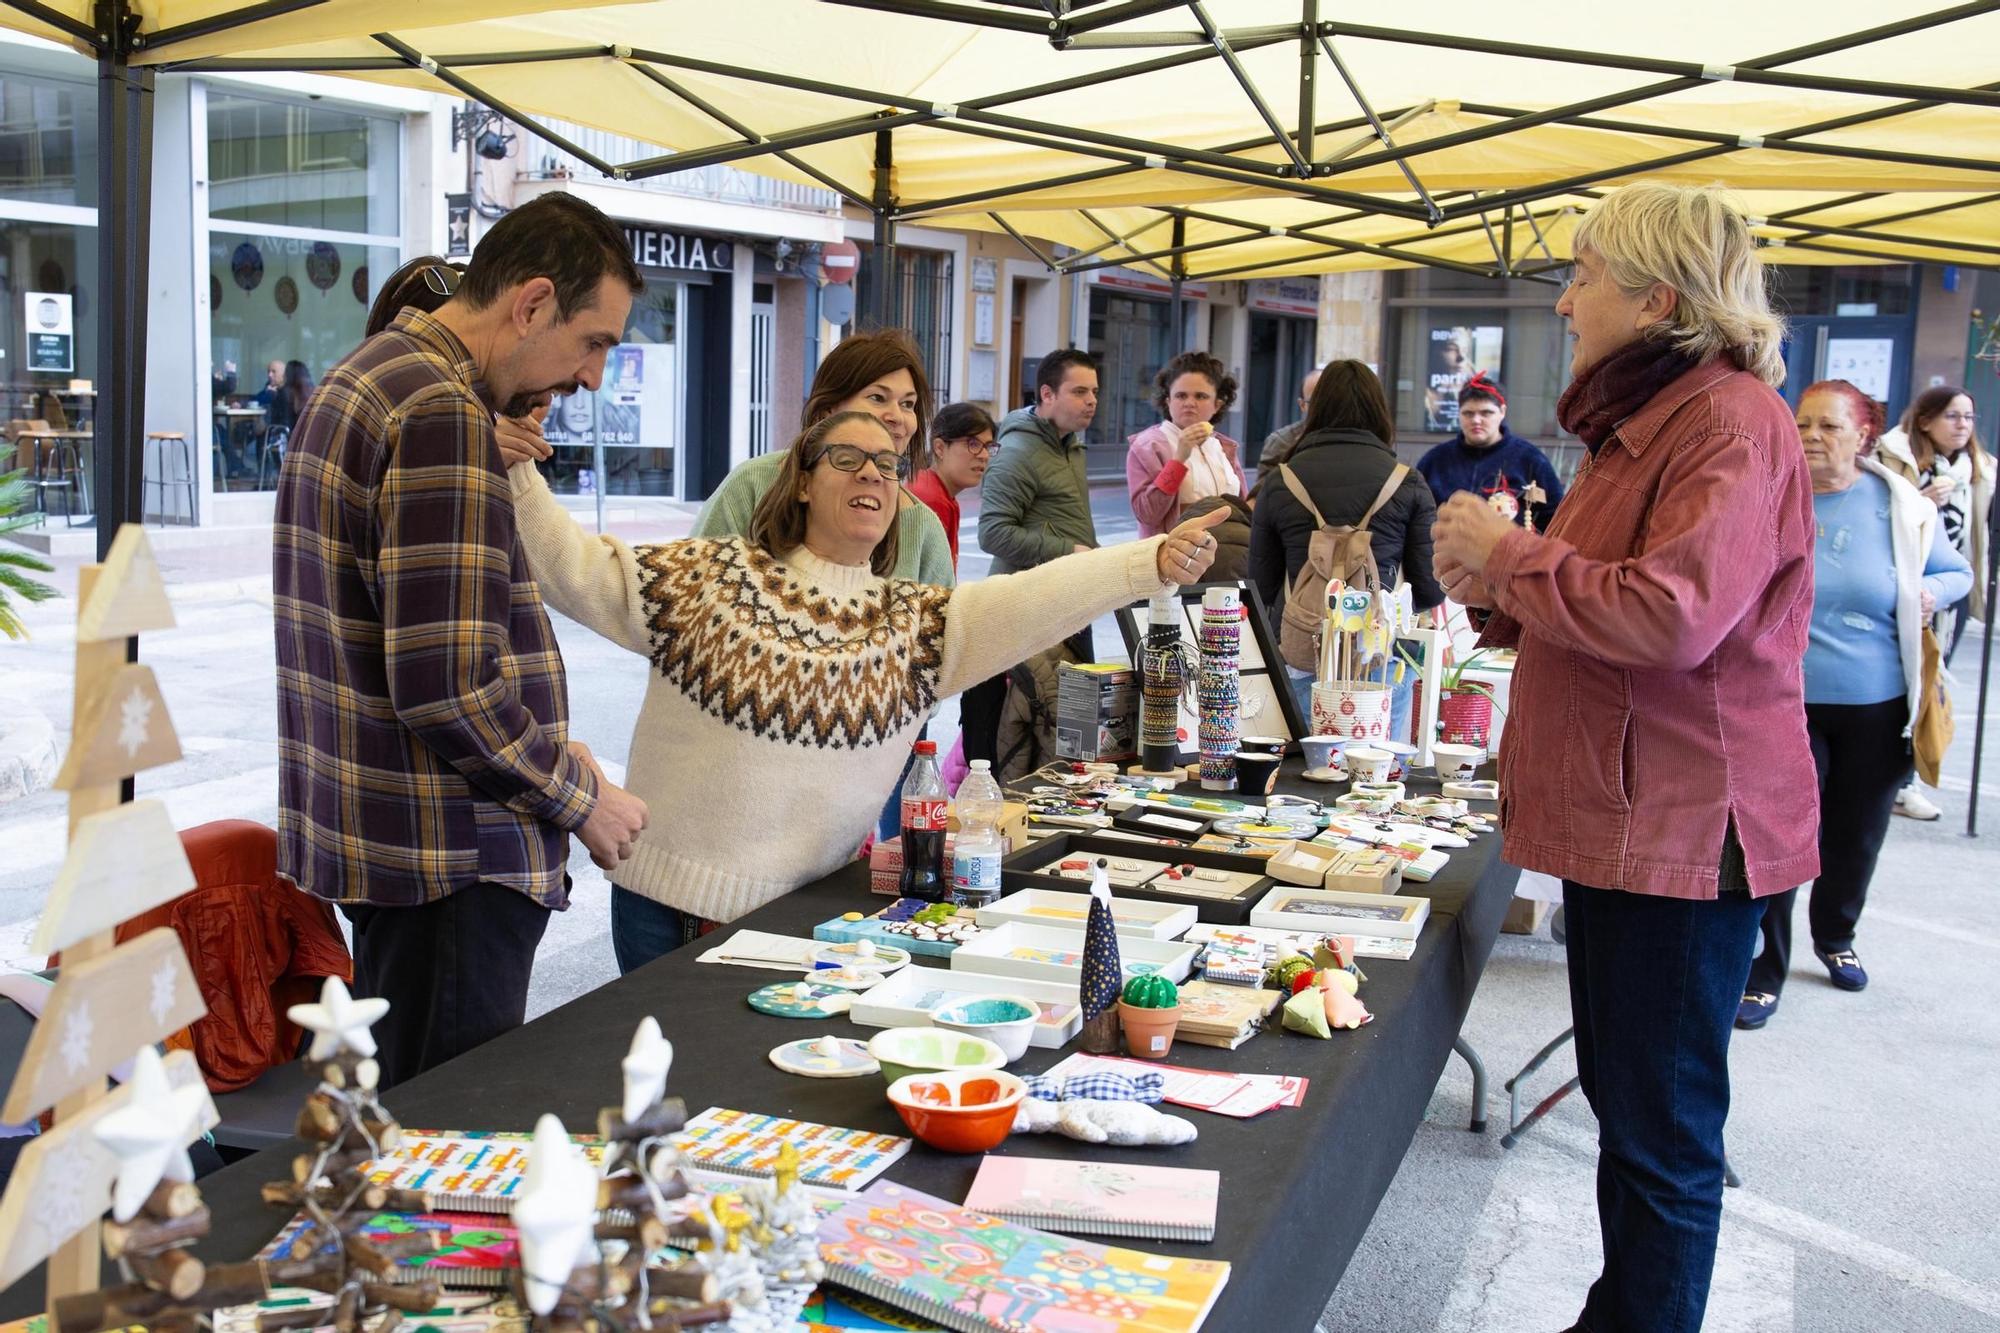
1913,804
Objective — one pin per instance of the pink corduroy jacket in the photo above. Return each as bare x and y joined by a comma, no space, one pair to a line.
1661,623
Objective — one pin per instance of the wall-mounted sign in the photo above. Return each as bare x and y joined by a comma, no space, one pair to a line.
654,248
1126,279
458,226
840,261
51,332
1285,296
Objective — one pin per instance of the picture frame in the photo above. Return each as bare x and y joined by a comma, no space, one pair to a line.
1261,668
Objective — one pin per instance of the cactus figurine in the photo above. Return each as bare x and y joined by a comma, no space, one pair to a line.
1151,991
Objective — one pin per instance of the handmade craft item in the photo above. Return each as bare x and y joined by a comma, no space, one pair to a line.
1148,1011
1092,1121
1166,672
1102,971
1218,694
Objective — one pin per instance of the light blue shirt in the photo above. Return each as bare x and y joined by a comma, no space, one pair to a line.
1852,654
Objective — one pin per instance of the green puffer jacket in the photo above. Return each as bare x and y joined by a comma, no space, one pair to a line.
1034,504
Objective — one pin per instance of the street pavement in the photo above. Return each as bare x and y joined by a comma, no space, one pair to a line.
1863,1124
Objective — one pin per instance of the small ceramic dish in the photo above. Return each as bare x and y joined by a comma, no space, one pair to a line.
905,1051
965,1111
1008,1021
883,958
851,977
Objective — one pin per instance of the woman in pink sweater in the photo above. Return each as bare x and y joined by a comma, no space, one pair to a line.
1184,458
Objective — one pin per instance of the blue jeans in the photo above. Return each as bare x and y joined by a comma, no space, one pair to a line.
642,930
1400,694
1654,984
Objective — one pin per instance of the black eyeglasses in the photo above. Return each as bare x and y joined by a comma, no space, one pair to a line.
441,279
974,443
891,465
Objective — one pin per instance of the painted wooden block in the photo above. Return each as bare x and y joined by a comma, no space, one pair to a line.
129,597
127,731
103,1010
62,1181
122,862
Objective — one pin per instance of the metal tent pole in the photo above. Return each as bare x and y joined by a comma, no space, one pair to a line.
1985,679
124,230
882,278
1180,276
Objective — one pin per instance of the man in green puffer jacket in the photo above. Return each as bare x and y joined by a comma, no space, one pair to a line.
1034,504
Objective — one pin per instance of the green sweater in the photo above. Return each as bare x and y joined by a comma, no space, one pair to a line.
922,553
1034,504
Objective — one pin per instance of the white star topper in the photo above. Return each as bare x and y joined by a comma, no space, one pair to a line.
150,1133
338,1020
645,1067
555,1214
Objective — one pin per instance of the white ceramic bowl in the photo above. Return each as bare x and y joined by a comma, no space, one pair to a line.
1008,1021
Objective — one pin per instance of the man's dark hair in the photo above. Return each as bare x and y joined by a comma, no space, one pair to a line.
558,237
1049,374
1348,395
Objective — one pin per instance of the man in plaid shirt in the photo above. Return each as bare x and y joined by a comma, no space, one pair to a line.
426,782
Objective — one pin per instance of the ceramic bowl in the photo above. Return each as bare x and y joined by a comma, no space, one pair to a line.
1008,1021
905,1051
967,1110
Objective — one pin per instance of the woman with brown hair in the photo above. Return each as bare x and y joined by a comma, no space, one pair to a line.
793,668
1182,458
1938,451
881,374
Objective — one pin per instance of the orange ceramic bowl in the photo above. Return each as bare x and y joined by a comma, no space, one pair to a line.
968,1110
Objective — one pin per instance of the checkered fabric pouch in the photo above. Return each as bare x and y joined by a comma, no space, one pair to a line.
1101,1086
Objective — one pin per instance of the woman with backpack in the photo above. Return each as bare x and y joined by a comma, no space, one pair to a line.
1339,477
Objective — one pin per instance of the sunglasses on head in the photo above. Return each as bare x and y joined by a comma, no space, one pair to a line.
441,279
891,465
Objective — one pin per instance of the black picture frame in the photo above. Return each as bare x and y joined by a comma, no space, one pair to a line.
1132,624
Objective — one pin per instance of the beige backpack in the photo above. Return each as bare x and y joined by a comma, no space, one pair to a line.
1345,552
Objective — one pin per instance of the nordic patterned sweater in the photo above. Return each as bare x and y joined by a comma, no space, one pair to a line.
786,691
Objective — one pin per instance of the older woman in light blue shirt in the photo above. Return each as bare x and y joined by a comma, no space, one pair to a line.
1881,564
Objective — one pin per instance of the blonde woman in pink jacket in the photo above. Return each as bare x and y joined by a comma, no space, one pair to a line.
1184,458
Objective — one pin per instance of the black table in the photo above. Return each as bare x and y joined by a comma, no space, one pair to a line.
1300,1185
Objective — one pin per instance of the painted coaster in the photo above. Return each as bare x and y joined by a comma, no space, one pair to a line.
1325,775
846,978
801,999
825,1057
883,958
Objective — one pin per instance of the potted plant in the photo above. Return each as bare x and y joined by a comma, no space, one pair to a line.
14,582
1465,707
1149,1011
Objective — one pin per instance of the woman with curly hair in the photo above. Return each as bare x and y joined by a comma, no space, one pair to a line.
1184,458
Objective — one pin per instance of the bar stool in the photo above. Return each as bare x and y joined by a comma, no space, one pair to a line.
59,467
182,475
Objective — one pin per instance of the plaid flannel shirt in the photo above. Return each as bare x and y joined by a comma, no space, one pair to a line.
422,710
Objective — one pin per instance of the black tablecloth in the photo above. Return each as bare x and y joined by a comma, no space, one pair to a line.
1299,1185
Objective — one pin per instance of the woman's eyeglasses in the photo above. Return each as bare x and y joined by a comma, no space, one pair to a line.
846,458
973,444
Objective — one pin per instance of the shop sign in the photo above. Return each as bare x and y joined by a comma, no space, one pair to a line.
1124,279
51,332
1285,296
654,248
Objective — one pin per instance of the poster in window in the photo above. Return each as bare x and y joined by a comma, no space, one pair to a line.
51,333
632,407
1457,352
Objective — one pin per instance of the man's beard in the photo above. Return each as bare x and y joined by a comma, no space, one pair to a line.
523,403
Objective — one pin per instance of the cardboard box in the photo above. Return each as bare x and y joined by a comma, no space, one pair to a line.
1097,711
1525,916
1013,824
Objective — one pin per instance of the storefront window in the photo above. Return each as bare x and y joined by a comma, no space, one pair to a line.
1859,291
48,141
633,414
1131,337
1444,327
302,164
49,272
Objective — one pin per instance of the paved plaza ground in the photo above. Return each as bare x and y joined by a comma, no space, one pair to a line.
1864,1125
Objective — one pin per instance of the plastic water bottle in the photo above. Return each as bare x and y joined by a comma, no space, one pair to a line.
926,820
975,858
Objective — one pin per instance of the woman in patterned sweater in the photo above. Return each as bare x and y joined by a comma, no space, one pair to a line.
791,672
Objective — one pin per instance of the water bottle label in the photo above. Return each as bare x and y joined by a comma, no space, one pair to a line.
976,872
925,814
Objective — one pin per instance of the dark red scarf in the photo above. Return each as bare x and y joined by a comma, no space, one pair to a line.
1605,396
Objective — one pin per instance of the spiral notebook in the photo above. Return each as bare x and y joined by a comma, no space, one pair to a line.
973,1272
466,1171
475,1251
743,1143
1098,1198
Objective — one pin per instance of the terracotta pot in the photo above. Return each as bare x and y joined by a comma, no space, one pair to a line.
1148,1032
1466,717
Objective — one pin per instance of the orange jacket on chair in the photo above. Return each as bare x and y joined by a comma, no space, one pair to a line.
257,946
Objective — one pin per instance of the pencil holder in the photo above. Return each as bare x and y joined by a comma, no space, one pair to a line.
1352,709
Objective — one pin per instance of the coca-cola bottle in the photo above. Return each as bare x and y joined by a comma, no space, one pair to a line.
926,816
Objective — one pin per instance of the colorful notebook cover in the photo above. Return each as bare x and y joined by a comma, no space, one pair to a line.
1098,1198
465,1171
744,1144
974,1273
476,1251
